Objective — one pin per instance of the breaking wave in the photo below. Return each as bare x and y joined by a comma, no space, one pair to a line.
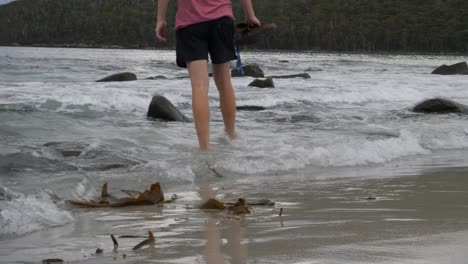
21,214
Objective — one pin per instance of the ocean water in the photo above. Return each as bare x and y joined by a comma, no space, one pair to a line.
63,133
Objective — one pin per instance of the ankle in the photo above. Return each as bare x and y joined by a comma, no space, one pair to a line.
204,147
232,134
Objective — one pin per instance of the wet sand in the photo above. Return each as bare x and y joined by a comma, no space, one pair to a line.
415,218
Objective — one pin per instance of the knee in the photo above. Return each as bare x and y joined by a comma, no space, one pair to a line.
222,83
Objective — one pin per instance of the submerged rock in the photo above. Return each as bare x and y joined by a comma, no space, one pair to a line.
264,202
18,108
52,261
158,77
119,77
298,119
25,161
458,68
249,70
266,83
440,106
299,75
311,69
250,108
161,108
65,156
67,148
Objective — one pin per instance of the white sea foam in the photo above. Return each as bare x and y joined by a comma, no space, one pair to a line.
345,104
283,156
171,171
454,140
21,214
368,152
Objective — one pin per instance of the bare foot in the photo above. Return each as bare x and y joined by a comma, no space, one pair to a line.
232,135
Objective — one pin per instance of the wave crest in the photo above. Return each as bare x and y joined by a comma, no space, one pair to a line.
21,214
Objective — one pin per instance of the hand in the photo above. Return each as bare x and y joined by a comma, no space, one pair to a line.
253,21
160,31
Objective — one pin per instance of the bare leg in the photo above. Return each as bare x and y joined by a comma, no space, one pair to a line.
227,98
198,71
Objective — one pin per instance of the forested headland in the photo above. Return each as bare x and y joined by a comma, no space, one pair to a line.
435,26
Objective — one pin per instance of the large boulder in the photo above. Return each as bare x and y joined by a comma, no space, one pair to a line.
119,77
161,108
265,83
249,70
458,68
440,106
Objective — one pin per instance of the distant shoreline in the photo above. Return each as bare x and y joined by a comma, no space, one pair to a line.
136,47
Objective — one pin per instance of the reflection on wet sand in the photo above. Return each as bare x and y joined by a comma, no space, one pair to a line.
237,232
237,249
213,242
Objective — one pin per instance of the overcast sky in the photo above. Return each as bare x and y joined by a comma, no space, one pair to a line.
4,1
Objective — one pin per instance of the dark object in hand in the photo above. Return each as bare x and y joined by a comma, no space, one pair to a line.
251,34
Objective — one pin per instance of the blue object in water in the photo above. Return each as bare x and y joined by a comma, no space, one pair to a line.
240,68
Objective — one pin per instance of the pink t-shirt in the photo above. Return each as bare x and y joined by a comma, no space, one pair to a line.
195,11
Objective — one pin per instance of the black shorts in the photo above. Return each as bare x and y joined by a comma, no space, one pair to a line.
215,37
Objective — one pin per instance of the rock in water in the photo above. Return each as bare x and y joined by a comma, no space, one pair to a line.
299,75
458,68
119,77
161,108
267,83
52,261
67,149
440,106
158,77
249,70
250,108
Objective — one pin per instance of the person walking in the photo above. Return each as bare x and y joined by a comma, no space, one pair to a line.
206,27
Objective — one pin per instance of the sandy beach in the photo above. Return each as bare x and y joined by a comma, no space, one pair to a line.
417,218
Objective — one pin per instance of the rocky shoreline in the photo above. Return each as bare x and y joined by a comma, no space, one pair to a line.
159,47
